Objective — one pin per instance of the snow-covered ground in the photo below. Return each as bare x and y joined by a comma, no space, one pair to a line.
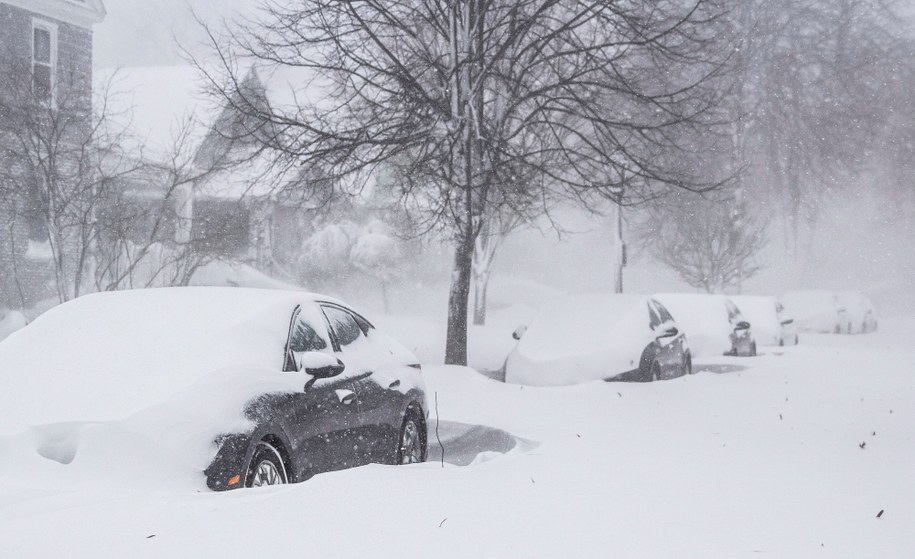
790,454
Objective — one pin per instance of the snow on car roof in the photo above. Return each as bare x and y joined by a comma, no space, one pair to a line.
106,355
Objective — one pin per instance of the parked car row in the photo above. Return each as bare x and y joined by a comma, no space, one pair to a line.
832,312
640,337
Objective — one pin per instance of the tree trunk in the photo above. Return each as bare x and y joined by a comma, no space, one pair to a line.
458,298
480,287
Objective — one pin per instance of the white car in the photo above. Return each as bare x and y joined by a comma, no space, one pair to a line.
771,324
817,310
592,337
860,315
714,324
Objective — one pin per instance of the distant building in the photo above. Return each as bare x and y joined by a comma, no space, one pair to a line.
46,61
238,207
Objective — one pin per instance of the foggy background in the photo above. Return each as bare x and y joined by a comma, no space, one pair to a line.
863,240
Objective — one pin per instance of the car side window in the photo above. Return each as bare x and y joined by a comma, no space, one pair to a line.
733,312
653,319
663,313
344,325
302,337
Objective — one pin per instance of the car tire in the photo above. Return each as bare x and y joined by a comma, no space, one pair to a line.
411,444
753,349
266,467
689,364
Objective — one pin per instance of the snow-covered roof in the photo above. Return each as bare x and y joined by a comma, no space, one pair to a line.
83,13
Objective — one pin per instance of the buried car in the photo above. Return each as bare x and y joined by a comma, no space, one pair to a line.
591,337
860,315
714,324
251,387
771,324
817,310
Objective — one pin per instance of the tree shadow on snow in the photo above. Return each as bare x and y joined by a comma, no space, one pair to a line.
466,444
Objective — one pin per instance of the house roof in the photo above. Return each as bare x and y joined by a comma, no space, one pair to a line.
168,112
83,13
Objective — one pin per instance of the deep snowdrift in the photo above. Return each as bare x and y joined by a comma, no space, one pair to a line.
764,458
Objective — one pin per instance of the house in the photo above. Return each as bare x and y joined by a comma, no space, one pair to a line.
45,66
235,201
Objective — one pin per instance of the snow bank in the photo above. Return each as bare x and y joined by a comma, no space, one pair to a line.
763,461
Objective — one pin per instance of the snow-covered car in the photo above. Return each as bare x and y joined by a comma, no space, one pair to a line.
251,387
590,337
771,324
714,324
817,310
860,315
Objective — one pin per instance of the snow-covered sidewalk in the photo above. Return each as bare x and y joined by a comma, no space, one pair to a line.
791,454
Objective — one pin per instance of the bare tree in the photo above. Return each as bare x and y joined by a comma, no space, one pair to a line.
62,153
711,243
809,98
455,97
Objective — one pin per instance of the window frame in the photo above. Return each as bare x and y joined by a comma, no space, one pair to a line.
287,350
51,29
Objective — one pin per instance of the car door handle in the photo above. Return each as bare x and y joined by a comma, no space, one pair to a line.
345,396
394,384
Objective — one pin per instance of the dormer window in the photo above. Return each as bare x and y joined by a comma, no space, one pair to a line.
44,59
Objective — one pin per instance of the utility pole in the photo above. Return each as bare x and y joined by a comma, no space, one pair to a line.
619,247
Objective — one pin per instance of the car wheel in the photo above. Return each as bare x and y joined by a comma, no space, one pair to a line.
796,340
753,349
411,448
266,468
689,364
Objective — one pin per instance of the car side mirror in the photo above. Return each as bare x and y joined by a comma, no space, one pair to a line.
519,331
318,364
742,325
669,332
787,321
327,371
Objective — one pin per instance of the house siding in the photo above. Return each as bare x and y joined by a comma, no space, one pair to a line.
23,280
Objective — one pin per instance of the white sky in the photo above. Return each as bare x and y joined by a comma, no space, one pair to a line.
143,32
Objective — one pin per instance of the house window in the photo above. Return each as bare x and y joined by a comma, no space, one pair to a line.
44,60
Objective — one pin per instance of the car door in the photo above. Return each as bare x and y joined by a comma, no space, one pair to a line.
321,418
378,384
